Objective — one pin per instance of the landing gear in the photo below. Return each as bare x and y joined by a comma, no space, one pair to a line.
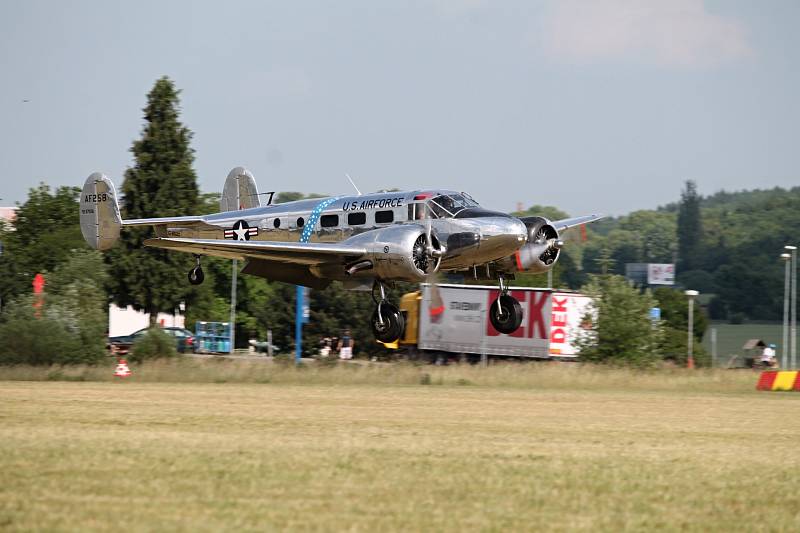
387,320
196,275
505,312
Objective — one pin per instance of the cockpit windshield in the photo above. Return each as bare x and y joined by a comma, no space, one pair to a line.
447,205
441,206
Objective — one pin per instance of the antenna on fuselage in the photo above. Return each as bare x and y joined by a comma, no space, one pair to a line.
351,183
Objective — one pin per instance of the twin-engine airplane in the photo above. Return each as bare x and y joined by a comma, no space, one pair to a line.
364,241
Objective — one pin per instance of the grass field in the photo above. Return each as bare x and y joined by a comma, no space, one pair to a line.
512,448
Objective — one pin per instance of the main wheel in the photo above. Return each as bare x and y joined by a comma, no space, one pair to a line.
508,318
393,323
196,276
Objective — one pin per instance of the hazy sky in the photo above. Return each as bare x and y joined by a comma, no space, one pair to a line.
592,106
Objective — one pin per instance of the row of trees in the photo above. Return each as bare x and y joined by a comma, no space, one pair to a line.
725,245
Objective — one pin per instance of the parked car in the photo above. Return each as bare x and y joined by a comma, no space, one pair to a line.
184,340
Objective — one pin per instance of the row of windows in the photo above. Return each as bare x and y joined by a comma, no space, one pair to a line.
353,219
357,219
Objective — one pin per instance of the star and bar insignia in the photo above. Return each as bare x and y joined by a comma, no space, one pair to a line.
241,231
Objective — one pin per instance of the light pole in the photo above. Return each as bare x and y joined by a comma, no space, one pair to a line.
785,341
691,295
793,326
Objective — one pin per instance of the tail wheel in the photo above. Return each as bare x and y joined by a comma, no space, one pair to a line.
196,276
389,326
507,316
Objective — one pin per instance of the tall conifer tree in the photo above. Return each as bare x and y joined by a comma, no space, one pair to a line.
161,183
690,229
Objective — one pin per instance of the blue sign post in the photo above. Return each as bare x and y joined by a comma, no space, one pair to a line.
298,325
302,314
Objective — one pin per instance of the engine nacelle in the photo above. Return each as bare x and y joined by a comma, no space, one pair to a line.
395,252
541,251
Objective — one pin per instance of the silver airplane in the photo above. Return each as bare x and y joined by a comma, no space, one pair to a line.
365,241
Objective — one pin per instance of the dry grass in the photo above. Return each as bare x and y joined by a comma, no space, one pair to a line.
539,375
343,456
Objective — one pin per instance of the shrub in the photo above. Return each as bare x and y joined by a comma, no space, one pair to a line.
43,341
622,332
154,344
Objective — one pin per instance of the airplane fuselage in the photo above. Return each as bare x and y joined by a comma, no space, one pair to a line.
471,235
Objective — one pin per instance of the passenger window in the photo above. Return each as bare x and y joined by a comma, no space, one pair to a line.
356,219
329,221
384,217
416,211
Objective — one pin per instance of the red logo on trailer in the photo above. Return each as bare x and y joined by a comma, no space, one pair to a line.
534,323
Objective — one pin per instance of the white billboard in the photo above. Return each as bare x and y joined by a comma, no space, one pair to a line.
568,318
660,274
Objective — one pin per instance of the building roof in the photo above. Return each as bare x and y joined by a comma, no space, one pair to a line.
8,213
753,343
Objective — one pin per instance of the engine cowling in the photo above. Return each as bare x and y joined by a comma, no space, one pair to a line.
397,252
541,251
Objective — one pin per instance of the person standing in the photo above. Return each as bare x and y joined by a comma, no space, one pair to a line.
346,345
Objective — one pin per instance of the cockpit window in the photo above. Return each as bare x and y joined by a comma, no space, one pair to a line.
448,205
440,206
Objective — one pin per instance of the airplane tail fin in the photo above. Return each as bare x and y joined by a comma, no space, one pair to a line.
100,217
240,191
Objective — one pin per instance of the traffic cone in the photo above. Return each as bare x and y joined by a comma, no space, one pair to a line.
122,370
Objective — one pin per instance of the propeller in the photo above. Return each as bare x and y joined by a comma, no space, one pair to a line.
545,248
428,252
436,303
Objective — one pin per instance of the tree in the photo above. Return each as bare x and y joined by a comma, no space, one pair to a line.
161,183
45,233
293,196
621,332
675,318
690,228
547,211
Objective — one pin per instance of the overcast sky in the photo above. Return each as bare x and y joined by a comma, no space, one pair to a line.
591,106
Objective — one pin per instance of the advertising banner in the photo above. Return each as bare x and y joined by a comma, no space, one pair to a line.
568,319
661,274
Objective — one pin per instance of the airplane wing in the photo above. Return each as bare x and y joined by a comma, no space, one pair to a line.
170,221
286,252
567,223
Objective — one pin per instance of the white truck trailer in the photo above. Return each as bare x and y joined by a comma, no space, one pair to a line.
453,319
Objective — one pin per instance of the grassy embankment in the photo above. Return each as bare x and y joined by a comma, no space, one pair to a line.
535,447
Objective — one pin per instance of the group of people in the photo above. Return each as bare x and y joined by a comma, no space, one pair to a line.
343,345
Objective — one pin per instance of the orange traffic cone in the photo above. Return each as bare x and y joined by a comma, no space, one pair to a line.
122,370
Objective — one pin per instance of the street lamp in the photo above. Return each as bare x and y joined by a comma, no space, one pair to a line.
793,326
785,344
691,295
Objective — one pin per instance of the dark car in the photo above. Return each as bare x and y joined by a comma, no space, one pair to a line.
184,340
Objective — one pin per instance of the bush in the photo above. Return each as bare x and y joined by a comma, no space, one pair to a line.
674,348
155,344
44,341
622,332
